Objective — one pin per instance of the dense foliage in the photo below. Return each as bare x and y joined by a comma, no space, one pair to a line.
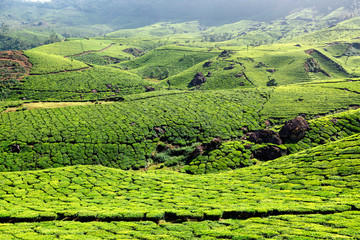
163,132
302,184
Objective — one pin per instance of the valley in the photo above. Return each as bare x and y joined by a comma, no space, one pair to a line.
247,130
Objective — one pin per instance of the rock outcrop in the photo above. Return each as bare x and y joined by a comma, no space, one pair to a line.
265,136
149,89
198,79
207,64
269,153
294,130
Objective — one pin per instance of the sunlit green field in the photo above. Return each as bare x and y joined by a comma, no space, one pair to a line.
112,137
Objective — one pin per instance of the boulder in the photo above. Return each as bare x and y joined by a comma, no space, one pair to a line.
214,144
15,148
208,64
225,53
209,74
269,153
271,70
149,89
199,150
294,130
198,79
265,136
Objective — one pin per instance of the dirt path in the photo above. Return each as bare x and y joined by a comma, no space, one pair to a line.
64,71
93,51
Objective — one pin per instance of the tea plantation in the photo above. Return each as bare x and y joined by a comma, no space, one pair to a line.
323,180
138,136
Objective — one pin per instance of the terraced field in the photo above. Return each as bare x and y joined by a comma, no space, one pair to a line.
150,138
294,188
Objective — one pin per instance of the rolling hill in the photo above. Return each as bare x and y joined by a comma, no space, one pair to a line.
175,131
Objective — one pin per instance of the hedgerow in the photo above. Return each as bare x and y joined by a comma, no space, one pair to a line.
339,226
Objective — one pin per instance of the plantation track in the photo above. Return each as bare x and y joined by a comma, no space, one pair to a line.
74,70
93,51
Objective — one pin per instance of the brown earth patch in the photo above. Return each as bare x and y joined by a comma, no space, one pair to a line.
14,65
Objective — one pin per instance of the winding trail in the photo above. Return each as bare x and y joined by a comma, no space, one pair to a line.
92,51
64,71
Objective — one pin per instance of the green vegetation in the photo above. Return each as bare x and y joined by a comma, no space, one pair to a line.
158,30
177,131
314,226
91,83
123,134
166,61
301,184
45,63
73,47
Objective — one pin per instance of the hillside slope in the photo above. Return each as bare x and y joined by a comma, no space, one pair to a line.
323,180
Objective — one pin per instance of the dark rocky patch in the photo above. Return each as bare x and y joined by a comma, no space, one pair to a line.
269,153
134,51
208,64
232,66
209,74
198,79
225,53
265,136
271,70
149,89
239,75
15,148
294,130
260,65
199,150
214,144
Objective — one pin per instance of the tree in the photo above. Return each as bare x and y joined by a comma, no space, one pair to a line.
53,38
4,28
